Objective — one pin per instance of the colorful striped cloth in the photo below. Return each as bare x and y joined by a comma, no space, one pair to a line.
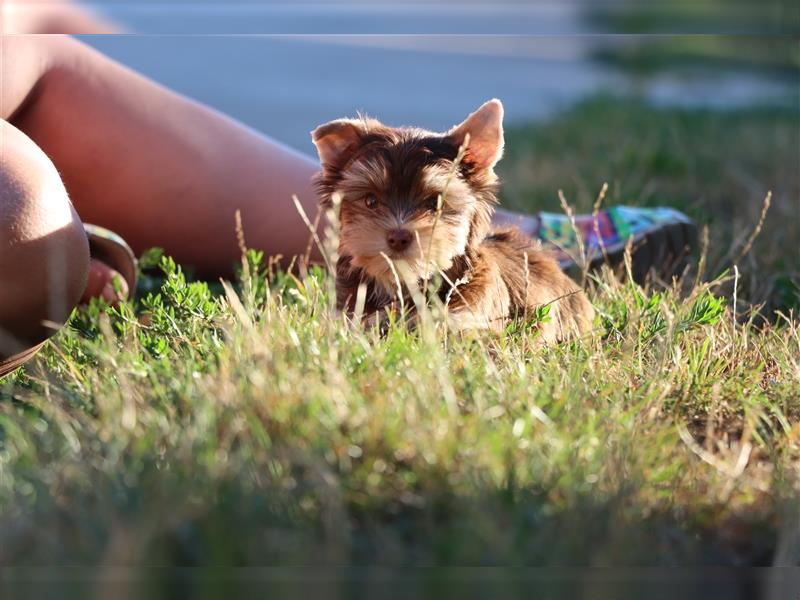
616,225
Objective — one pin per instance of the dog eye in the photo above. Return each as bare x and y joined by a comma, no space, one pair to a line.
371,201
432,203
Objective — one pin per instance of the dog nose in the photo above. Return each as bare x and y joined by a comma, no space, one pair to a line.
398,239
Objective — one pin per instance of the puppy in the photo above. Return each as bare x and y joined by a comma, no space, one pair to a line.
420,203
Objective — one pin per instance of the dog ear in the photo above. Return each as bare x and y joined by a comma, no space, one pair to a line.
337,141
485,129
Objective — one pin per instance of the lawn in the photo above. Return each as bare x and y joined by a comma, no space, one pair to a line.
691,36
252,425
716,165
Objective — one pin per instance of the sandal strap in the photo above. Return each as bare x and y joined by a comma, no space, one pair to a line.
109,247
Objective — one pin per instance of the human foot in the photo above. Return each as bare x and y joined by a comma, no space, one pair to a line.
104,282
112,266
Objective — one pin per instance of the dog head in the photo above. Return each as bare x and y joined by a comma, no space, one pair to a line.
403,193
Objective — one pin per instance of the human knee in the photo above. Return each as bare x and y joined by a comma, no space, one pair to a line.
43,249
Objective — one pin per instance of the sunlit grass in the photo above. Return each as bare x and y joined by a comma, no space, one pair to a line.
251,424
261,427
716,165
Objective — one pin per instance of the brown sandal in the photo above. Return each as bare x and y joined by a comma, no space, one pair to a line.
13,362
106,246
109,248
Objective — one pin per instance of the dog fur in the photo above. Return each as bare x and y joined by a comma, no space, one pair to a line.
392,184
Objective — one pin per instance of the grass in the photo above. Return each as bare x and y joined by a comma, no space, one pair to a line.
774,56
708,34
253,425
717,166
769,17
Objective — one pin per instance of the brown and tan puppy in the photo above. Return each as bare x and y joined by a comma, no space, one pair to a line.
404,195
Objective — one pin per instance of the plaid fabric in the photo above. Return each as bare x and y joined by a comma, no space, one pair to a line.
615,225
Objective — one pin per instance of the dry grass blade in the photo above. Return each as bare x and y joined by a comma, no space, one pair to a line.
595,222
757,230
398,284
701,264
312,229
310,245
236,305
581,257
242,243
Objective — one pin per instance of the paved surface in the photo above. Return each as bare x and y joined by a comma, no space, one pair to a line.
285,85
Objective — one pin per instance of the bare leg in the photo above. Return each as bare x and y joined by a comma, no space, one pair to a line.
43,249
154,166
